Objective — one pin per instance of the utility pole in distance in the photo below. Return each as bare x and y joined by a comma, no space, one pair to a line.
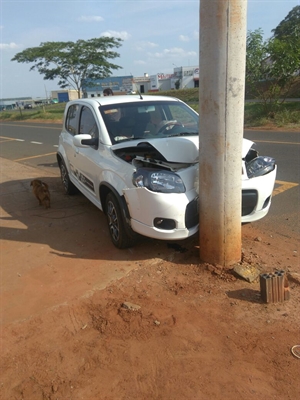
221,109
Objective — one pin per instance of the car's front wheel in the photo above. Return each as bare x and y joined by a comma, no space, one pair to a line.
121,233
69,187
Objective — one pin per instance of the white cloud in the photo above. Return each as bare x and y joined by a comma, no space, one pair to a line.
9,46
141,46
183,38
90,18
174,52
122,35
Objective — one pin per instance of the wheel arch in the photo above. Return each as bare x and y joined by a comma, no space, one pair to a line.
60,158
106,188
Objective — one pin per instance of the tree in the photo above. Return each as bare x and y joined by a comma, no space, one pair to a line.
72,62
177,84
288,32
272,66
257,65
290,26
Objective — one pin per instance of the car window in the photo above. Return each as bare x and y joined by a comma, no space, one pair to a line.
149,119
88,123
181,114
71,119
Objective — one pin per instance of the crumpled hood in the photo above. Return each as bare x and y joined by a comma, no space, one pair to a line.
172,149
247,144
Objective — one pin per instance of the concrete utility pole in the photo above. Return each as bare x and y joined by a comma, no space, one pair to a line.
221,109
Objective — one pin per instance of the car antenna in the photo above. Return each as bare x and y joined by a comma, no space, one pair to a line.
138,89
141,97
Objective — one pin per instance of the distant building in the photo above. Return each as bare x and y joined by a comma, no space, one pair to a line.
181,78
12,103
185,77
118,84
63,95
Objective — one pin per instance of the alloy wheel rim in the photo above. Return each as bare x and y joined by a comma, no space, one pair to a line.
64,177
113,221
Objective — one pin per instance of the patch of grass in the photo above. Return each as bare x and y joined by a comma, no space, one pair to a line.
46,112
287,115
186,95
6,115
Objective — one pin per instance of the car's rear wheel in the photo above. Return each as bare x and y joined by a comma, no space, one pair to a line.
121,233
69,187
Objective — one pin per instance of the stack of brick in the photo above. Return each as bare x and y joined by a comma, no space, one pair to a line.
274,287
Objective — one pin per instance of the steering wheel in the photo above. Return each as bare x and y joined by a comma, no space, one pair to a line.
168,125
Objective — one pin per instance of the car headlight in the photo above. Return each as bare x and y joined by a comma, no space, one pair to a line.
260,166
158,181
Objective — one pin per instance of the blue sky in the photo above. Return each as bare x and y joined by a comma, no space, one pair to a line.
157,35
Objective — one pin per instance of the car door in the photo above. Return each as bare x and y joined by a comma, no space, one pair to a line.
87,159
69,131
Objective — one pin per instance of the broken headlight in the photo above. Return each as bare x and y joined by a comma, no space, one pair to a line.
158,181
260,166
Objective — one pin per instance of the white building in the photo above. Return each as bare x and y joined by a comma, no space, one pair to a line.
185,78
181,78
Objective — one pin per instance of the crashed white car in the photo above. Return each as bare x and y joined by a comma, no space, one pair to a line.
136,158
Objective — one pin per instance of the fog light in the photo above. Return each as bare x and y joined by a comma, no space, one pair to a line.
165,224
267,201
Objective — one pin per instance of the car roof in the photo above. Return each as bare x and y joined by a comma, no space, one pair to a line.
107,100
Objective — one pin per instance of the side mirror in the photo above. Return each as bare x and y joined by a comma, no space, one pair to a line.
85,140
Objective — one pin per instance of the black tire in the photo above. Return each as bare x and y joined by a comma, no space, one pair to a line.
120,232
69,187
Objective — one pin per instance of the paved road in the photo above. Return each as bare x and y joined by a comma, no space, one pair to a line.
284,216
284,147
32,144
35,144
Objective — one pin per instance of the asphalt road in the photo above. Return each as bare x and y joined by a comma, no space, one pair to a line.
284,215
32,144
35,144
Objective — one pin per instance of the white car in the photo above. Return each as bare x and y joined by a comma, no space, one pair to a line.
136,158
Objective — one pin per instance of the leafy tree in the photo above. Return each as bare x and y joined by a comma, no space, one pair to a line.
257,65
177,84
72,62
284,47
272,67
290,26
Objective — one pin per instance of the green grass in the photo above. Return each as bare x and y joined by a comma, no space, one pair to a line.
287,116
53,112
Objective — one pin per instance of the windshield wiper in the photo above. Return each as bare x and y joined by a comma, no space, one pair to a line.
184,134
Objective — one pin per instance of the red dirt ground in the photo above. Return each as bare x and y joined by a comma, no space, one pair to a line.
199,332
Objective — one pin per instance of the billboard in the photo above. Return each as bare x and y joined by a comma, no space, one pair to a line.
116,83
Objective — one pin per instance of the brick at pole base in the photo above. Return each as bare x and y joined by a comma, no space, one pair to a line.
274,287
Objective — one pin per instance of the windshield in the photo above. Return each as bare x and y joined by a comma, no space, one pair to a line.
145,120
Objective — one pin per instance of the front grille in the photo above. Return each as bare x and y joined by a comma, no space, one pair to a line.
249,201
192,213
